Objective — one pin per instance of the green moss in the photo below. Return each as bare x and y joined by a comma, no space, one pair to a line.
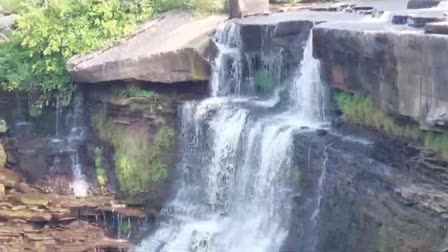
165,138
101,175
386,241
138,156
437,142
364,111
264,81
126,227
132,92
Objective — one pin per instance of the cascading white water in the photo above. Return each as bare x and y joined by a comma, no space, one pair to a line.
77,136
237,163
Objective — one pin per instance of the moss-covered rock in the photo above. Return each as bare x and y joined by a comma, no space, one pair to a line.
138,155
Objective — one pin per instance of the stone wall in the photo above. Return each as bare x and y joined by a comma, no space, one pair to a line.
402,70
358,191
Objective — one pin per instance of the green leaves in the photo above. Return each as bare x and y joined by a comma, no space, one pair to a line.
46,38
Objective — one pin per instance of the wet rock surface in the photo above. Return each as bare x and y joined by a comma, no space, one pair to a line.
360,191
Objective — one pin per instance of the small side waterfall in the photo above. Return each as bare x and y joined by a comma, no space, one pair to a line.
78,134
70,144
236,192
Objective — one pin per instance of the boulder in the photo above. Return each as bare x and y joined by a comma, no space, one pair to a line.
244,8
172,48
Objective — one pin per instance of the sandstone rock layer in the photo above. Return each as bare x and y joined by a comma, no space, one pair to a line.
171,48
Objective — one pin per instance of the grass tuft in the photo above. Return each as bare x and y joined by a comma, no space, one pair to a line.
364,111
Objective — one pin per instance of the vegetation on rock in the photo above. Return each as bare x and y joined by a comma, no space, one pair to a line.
132,92
264,81
48,33
46,36
365,112
126,227
101,175
138,155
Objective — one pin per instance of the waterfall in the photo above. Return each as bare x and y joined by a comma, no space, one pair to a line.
78,134
236,159
69,144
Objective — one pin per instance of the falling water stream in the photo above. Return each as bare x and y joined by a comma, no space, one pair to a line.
237,160
70,144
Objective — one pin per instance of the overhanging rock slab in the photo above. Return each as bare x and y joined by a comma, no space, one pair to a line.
172,48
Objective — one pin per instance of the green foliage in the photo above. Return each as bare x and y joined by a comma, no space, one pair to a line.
138,158
165,138
264,81
364,111
126,227
100,170
132,92
47,36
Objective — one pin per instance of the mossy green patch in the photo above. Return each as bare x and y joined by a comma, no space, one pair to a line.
365,112
101,175
264,81
138,155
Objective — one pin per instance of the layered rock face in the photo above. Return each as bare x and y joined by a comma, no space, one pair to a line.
400,68
172,48
358,191
35,221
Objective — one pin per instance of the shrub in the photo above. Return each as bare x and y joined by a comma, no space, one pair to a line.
138,158
364,111
46,36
